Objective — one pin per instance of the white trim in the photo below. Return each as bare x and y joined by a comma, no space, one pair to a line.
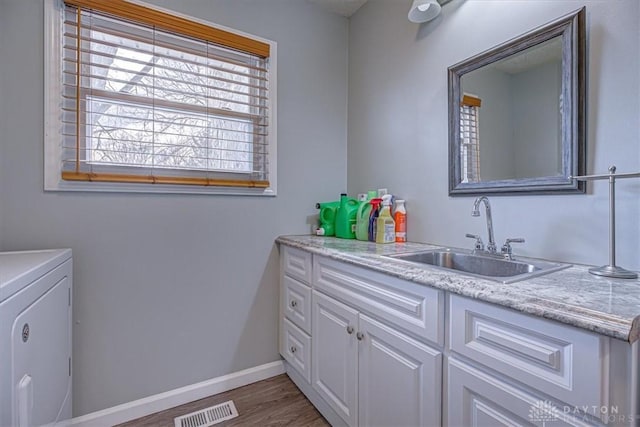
634,395
52,80
159,402
53,139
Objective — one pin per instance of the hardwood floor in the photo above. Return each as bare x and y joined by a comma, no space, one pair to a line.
272,402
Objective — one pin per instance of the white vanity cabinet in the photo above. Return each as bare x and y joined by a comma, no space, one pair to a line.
370,373
562,369
369,359
371,349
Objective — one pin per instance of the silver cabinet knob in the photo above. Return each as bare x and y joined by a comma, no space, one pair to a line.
293,303
349,330
360,336
293,349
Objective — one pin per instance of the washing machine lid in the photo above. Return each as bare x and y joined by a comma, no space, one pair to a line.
19,269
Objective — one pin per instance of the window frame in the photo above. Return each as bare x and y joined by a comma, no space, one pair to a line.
53,139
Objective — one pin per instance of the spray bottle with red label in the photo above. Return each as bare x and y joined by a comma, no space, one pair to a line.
400,217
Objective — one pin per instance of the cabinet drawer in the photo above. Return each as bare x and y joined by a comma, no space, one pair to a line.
296,303
296,348
478,399
415,308
558,360
297,264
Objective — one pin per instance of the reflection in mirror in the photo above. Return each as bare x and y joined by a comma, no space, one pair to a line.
518,100
516,114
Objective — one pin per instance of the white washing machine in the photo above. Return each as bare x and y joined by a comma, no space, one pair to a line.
35,337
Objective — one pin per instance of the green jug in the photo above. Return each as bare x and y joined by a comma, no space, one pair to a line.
346,217
327,218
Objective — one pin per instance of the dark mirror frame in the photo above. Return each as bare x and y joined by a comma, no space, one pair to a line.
572,30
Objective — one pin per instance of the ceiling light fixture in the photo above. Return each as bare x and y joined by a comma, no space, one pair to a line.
424,10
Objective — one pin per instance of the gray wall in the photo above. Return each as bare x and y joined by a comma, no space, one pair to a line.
171,290
398,123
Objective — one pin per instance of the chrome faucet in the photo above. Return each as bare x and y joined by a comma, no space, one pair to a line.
491,246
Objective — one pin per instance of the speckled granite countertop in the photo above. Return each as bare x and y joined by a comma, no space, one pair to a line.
573,296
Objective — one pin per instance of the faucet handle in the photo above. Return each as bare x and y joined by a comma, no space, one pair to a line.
514,240
506,250
479,246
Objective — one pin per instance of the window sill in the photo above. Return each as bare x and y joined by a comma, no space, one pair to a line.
105,187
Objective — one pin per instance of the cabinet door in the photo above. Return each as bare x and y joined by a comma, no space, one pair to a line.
399,378
475,398
335,355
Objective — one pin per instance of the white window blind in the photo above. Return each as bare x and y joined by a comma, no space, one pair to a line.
470,139
143,104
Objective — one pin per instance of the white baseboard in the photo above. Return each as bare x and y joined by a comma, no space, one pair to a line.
159,402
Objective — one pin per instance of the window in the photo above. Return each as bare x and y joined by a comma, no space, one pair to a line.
148,97
470,139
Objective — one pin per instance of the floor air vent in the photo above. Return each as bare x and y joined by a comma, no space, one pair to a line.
208,416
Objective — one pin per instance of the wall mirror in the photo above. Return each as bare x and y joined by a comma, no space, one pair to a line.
517,114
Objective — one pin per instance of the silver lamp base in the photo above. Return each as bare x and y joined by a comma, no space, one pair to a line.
613,271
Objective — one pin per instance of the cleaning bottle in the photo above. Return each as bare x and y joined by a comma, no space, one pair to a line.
373,218
346,217
385,225
363,216
327,218
400,218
